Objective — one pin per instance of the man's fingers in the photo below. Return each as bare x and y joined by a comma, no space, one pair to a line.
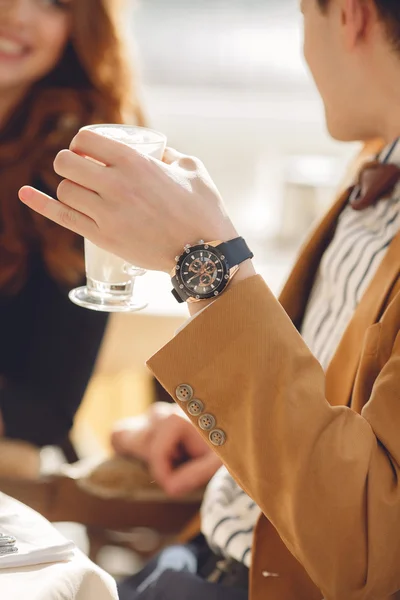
164,450
98,147
171,156
58,212
130,443
161,468
188,163
78,169
191,476
79,198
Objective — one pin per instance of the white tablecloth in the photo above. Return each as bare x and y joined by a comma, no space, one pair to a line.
74,579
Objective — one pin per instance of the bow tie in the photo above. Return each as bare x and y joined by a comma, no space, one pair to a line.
375,181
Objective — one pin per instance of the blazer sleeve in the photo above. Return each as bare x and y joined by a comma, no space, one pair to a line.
326,477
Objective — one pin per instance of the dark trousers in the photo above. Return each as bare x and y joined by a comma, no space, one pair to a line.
174,575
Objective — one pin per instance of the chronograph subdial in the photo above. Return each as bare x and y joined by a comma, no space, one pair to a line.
196,266
207,279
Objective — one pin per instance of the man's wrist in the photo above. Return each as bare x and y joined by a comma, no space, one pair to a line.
246,270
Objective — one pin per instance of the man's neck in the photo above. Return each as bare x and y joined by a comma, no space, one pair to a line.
391,124
385,97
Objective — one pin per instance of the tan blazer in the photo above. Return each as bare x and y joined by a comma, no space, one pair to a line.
320,454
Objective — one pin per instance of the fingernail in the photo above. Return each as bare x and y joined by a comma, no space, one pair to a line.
24,193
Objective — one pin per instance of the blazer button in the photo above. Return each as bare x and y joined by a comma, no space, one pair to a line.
217,437
195,408
184,392
207,422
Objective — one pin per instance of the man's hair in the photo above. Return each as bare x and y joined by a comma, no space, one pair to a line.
389,11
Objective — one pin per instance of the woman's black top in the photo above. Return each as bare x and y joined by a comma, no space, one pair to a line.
48,348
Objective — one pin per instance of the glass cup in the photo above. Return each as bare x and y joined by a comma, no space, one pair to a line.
110,280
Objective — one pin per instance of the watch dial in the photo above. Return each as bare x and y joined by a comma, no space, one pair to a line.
202,272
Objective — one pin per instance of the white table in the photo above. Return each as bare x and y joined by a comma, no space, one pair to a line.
78,579
74,579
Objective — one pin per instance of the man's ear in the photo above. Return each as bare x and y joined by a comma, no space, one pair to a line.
357,19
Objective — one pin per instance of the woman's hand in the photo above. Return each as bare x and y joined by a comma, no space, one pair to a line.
139,208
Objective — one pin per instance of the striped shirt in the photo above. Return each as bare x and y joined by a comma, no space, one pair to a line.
345,271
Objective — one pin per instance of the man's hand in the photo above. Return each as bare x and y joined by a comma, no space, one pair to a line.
132,437
177,456
139,208
180,460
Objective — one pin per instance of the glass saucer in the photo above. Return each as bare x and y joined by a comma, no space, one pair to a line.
86,298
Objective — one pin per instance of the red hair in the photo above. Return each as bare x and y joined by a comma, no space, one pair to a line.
91,84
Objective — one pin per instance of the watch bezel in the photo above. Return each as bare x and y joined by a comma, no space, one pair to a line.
225,273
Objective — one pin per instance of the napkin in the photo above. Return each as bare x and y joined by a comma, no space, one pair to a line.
38,542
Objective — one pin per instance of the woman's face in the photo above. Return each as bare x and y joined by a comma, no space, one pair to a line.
33,36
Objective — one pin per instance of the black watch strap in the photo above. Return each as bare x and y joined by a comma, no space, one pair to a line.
235,251
178,298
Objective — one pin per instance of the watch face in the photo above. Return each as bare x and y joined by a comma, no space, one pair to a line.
203,272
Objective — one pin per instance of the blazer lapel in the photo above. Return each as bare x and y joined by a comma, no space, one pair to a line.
341,373
295,293
342,369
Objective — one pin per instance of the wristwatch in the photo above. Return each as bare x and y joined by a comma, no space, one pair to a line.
204,270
